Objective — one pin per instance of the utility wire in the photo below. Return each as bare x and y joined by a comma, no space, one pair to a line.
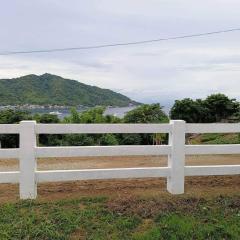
118,44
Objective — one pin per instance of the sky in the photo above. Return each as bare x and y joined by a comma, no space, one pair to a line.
154,72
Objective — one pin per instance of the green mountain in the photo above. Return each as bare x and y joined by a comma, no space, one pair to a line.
50,89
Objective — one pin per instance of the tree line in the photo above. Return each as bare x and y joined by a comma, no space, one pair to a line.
215,108
152,113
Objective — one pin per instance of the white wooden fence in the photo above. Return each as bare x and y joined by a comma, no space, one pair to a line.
28,176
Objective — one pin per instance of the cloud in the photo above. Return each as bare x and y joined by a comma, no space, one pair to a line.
159,72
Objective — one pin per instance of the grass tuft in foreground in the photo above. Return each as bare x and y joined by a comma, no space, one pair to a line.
126,218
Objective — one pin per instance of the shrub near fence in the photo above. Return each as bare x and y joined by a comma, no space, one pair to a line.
28,176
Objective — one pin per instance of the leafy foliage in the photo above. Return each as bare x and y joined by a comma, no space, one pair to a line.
215,108
145,114
216,138
221,107
49,89
187,109
10,116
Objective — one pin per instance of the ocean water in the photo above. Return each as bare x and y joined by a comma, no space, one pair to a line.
61,112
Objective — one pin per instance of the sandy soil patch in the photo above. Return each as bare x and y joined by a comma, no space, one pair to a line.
116,162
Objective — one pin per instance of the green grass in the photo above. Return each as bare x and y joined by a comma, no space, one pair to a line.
136,219
216,138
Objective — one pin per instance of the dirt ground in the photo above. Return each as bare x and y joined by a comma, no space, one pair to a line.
195,186
118,162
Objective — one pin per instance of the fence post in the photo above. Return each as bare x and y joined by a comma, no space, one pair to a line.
28,188
176,160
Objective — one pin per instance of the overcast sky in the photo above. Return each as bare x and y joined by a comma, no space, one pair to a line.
157,72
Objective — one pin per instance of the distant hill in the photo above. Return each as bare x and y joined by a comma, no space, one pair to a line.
50,89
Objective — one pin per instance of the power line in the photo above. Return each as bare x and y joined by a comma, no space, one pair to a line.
118,44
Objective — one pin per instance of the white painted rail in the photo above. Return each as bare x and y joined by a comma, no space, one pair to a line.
212,170
9,128
102,128
97,151
9,153
9,177
213,128
28,176
88,174
212,149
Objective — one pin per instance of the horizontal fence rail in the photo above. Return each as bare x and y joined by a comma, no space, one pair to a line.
212,170
9,177
213,128
212,149
9,128
28,176
90,174
102,128
97,151
9,153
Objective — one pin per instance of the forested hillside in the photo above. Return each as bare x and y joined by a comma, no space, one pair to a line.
50,89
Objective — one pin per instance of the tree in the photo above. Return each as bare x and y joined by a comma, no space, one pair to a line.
189,110
78,140
48,139
147,113
10,116
130,139
46,118
215,108
221,107
74,116
93,115
108,139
